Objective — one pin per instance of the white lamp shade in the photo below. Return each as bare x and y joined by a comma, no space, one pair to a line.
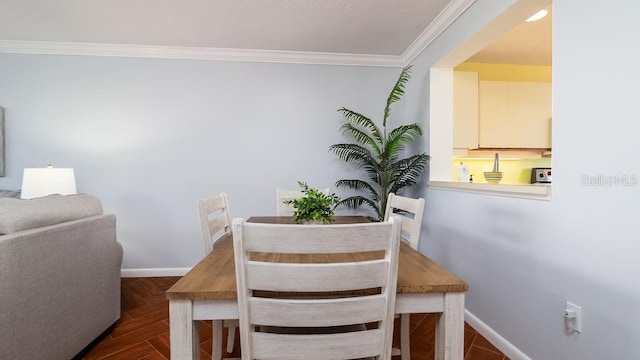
38,182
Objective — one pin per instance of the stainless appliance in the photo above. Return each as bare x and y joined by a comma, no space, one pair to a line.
541,175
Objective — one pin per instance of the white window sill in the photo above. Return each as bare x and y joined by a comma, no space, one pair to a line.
533,191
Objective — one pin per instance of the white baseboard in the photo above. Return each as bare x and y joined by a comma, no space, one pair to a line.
154,272
494,338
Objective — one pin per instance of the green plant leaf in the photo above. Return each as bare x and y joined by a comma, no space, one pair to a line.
314,205
352,153
408,171
354,202
363,130
397,92
362,121
357,184
401,136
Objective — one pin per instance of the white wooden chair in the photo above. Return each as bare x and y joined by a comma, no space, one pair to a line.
410,211
216,224
308,325
283,209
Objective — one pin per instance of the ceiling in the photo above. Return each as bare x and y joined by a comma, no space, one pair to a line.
378,28
527,44
373,27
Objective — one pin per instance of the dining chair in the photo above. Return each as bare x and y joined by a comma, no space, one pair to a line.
282,195
410,211
216,224
305,306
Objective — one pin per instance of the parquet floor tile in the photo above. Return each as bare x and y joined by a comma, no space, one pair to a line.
143,330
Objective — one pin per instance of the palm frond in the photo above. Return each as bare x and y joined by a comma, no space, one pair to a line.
355,202
357,184
396,92
352,153
362,121
415,161
361,137
399,137
408,171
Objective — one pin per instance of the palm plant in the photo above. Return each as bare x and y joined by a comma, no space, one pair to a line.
378,152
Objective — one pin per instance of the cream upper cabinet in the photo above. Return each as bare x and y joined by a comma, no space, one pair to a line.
514,114
465,110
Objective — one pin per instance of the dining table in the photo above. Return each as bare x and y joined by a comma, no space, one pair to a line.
208,292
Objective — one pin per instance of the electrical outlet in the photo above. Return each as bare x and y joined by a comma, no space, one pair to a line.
573,317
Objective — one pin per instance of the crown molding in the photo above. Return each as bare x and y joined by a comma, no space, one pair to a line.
450,13
195,53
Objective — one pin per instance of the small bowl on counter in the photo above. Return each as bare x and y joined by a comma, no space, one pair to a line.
493,177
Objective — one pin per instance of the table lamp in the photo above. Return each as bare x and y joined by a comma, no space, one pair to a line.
38,182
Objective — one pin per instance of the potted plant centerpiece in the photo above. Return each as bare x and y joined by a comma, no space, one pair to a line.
315,207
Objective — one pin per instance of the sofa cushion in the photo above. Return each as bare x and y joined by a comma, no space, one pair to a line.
18,214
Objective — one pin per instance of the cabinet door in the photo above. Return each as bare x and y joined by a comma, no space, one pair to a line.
515,114
465,110
494,124
530,106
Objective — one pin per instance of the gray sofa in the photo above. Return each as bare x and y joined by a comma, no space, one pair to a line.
59,275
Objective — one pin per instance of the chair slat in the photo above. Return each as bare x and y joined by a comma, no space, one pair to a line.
219,223
322,239
411,226
318,347
215,204
316,277
304,313
406,204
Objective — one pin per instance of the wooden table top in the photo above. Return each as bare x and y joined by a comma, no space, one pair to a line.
215,277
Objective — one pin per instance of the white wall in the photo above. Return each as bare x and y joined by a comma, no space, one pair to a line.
151,136
524,258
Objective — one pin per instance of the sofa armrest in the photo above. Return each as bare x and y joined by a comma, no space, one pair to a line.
60,287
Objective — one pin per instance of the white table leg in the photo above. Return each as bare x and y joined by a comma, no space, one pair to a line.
183,331
216,338
405,339
450,328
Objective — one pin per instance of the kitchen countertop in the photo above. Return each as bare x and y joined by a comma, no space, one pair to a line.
526,191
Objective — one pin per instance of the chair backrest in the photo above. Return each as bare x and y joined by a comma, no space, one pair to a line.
310,281
411,211
283,209
214,220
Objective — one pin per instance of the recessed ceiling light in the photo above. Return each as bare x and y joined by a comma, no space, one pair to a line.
537,16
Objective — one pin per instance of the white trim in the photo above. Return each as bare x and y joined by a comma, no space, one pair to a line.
449,14
494,338
534,191
194,53
154,272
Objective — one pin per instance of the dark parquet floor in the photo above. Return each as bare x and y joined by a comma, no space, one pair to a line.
143,329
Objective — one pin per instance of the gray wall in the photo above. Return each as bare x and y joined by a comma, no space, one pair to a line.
151,136
524,258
